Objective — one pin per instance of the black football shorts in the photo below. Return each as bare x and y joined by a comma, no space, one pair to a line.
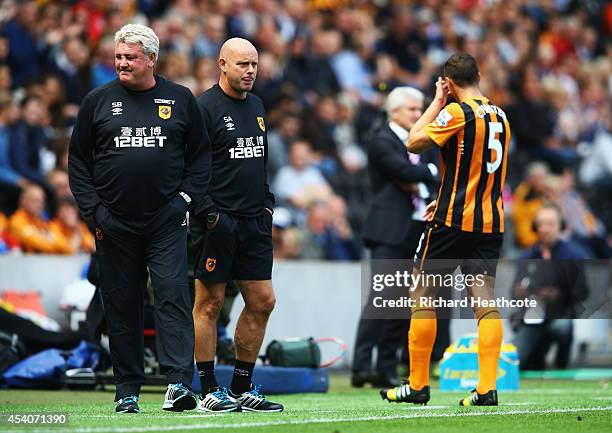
237,248
441,246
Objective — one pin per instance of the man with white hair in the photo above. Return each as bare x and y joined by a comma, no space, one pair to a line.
393,225
138,160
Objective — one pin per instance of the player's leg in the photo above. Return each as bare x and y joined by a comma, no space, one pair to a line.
483,264
436,257
209,297
421,338
167,261
123,278
213,271
253,272
422,331
208,302
423,325
259,302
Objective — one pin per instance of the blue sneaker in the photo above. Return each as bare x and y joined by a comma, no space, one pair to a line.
218,401
128,404
255,401
179,398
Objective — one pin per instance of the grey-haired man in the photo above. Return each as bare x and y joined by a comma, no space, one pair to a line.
138,161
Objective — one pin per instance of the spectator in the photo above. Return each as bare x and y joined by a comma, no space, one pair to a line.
285,236
61,113
586,230
28,141
103,70
558,283
360,80
30,229
312,71
327,235
596,174
175,66
320,123
24,53
68,226
6,80
209,43
351,247
72,65
596,168
269,81
7,242
299,184
548,68
11,182
204,72
529,196
533,120
58,180
279,140
405,43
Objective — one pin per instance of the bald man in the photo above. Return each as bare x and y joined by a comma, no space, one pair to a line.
235,241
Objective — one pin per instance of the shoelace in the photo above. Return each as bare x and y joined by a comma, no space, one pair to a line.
255,392
179,386
129,399
221,394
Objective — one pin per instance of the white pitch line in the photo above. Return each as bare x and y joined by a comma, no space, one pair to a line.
315,421
215,415
533,391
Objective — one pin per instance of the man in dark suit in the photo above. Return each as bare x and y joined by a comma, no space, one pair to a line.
401,186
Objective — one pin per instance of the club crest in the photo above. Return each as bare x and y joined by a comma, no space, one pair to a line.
210,264
260,122
164,111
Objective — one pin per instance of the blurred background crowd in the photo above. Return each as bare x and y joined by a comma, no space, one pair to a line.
325,67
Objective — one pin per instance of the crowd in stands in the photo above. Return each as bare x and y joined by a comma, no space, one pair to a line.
325,67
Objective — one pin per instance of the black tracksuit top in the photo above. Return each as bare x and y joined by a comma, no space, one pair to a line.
236,129
135,150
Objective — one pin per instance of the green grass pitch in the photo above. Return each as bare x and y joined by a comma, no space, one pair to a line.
540,406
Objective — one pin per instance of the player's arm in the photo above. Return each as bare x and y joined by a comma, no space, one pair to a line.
419,141
198,160
80,161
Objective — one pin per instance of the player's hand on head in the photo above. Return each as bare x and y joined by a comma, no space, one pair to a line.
442,92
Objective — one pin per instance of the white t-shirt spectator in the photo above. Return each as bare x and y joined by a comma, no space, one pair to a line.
290,182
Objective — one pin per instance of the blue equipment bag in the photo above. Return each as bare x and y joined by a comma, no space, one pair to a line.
275,380
45,369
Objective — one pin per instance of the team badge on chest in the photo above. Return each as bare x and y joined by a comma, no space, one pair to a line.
260,122
164,111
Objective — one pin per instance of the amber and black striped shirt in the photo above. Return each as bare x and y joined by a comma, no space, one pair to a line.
473,138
